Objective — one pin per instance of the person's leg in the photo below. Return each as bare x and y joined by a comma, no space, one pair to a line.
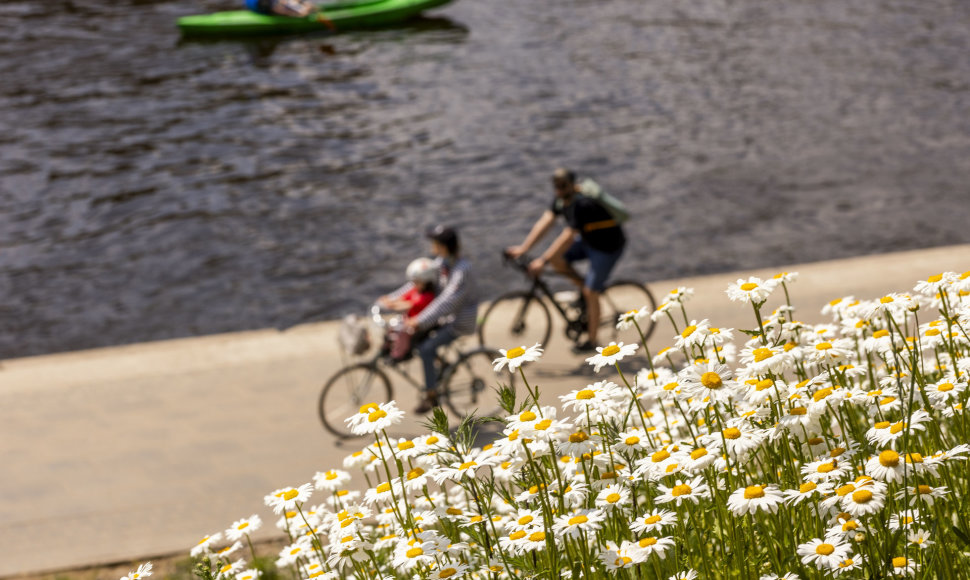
564,264
428,349
601,265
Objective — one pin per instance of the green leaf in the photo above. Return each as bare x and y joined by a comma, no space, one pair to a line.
962,535
750,332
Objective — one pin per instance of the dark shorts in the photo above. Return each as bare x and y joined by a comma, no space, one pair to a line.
600,263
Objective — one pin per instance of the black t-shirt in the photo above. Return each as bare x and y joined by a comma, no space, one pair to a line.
593,222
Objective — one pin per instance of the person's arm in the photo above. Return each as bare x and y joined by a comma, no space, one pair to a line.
558,248
539,230
391,300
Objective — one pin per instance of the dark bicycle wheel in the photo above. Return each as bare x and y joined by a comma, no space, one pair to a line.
619,298
471,385
347,391
515,319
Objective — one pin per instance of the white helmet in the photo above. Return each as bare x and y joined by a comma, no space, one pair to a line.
423,270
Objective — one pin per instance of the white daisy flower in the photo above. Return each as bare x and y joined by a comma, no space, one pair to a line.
611,354
205,544
920,538
142,571
751,290
653,521
448,570
825,554
331,479
693,491
570,525
516,357
627,320
903,566
612,497
375,417
750,499
287,498
851,563
690,574
646,547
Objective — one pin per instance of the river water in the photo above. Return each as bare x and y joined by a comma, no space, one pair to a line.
152,187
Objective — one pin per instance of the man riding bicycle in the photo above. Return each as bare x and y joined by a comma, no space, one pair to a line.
451,314
591,233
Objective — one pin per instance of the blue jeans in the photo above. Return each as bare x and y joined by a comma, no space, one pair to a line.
428,349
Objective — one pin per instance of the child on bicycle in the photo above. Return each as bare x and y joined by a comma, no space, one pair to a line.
422,274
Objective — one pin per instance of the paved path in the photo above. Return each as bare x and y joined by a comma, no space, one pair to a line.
131,452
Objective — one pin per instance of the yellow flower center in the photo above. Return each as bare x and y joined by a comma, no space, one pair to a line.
889,458
945,387
544,424
405,445
610,350
748,286
447,573
631,440
670,386
578,437
821,394
384,487
934,278
432,440
688,331
799,411
679,490
886,300
732,433
764,384
932,332
527,416
537,537
880,333
711,380
585,394
824,549
659,456
652,520
816,441
882,424
467,464
415,473
850,526
613,498
862,496
525,520
453,511
414,552
900,562
647,542
914,458
515,353
897,427
845,490
698,453
576,520
762,353
517,535
376,415
368,408
290,494
754,492
922,489
823,346
806,487
887,400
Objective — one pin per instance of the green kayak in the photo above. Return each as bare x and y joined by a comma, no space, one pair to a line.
340,16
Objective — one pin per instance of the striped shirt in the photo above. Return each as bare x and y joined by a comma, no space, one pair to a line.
456,304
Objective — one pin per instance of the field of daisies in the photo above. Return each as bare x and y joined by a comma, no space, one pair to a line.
786,450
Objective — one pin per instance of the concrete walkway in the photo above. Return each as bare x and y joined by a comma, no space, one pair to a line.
137,451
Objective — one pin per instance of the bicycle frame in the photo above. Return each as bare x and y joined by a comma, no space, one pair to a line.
540,288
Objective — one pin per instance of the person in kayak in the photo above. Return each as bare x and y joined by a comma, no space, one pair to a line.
591,233
451,314
293,8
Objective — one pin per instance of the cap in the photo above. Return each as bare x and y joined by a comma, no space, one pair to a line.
443,235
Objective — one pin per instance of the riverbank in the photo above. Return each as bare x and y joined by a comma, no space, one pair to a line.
125,453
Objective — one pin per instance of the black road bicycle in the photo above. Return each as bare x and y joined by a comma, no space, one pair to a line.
465,383
523,316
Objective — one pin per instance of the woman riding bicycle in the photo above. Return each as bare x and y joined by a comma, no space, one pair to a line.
451,314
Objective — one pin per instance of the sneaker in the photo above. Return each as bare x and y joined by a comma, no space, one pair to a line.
584,347
428,403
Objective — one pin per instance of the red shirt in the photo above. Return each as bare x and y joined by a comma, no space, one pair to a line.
418,300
